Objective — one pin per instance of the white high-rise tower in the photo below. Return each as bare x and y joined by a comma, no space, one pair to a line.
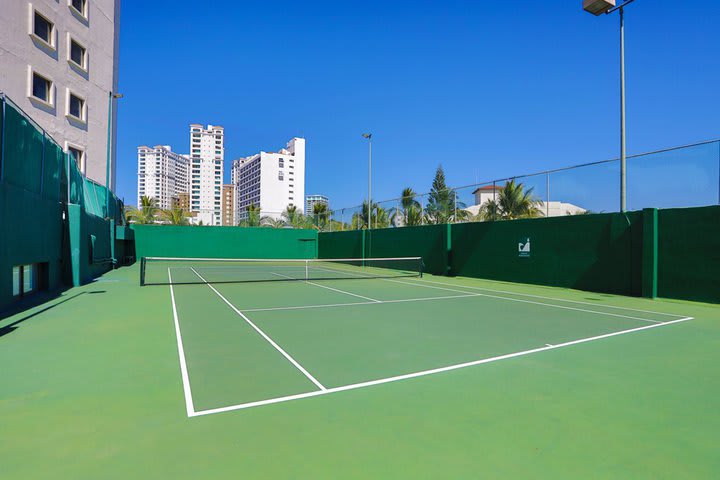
271,181
162,175
207,153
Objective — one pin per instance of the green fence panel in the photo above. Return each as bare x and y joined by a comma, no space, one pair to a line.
223,242
77,183
52,171
428,242
689,253
23,151
601,253
348,244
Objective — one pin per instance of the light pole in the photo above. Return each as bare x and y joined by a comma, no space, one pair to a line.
111,97
368,136
600,7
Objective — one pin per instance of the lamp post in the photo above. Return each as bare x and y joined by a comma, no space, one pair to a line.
111,96
600,7
368,137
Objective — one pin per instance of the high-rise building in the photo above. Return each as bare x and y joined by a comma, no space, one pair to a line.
184,201
270,180
59,63
311,200
228,204
162,174
207,152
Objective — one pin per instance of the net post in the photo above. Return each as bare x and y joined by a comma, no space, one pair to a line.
307,273
422,267
142,271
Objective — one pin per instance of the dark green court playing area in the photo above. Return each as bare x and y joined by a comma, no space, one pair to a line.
399,377
270,340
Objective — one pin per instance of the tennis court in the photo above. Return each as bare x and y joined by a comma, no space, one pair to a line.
256,332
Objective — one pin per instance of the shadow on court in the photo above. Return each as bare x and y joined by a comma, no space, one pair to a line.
11,327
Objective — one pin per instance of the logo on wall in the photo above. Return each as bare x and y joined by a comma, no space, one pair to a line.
524,247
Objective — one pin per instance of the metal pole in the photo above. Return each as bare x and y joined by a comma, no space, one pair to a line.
455,207
547,195
623,159
369,239
2,140
109,153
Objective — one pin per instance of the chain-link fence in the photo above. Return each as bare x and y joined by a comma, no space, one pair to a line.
683,176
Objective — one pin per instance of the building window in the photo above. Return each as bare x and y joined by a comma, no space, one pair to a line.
76,107
77,54
280,176
24,280
43,29
42,88
78,155
280,163
79,7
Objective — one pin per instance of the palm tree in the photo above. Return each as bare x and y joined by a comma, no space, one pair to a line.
147,212
513,202
400,215
294,218
379,217
273,222
320,215
489,211
413,216
252,217
174,216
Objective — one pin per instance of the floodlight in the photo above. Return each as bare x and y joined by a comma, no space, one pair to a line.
598,7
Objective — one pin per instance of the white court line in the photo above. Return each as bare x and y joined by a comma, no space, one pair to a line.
550,298
189,406
329,305
430,372
329,288
529,301
263,334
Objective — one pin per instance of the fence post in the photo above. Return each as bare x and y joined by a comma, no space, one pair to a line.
547,195
42,164
650,253
2,139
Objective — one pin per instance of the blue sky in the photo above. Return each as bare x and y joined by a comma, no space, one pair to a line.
487,89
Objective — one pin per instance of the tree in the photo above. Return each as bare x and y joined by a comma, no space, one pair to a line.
147,213
513,202
441,201
379,217
402,216
320,215
273,222
294,218
252,216
174,216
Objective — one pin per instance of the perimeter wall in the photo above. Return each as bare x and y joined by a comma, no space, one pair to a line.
223,242
51,215
672,253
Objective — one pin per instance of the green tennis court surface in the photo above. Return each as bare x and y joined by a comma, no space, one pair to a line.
401,377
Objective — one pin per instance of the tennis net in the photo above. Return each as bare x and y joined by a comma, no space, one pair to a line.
178,271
